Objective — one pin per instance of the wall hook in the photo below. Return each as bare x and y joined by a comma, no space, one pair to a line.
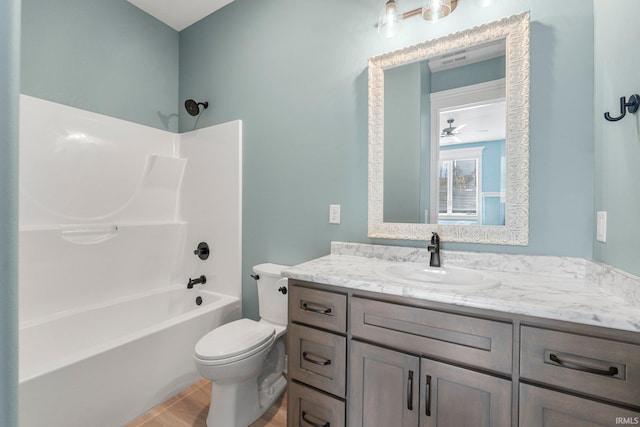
631,106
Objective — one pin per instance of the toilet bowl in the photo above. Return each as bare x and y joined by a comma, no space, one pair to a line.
245,359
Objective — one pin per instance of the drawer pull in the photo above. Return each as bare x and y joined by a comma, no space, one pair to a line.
410,391
609,372
316,360
427,392
320,423
316,308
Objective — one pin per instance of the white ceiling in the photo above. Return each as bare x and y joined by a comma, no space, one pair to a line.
468,55
475,123
179,14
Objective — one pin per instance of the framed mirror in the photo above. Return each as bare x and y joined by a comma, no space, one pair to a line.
449,137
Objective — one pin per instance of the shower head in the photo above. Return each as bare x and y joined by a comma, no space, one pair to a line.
193,106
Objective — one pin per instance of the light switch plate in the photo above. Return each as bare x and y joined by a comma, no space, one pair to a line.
334,214
601,226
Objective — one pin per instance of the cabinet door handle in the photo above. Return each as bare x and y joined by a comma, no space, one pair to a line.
319,423
410,391
316,308
315,359
608,373
427,400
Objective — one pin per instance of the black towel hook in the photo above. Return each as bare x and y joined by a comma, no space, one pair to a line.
631,106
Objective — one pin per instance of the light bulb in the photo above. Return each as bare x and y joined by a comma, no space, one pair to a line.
390,22
433,10
485,3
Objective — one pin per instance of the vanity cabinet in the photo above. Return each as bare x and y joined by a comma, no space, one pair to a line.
598,367
390,388
365,359
387,385
592,367
548,408
384,387
308,407
472,341
317,357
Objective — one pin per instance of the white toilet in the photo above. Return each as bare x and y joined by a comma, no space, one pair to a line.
245,359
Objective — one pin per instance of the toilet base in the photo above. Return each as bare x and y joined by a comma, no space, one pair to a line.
268,395
240,404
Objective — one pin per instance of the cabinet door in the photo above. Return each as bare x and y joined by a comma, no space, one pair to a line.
383,387
454,396
541,407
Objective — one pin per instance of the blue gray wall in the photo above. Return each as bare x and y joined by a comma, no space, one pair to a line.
9,92
296,74
108,57
479,72
402,129
617,144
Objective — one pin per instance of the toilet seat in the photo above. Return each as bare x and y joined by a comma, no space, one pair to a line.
234,341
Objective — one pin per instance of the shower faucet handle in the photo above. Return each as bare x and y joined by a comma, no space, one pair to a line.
202,251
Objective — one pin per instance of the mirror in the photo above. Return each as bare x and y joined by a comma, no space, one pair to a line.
448,137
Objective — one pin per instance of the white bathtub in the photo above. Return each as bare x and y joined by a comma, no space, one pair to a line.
106,365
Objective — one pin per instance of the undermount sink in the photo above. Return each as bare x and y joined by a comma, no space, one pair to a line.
453,278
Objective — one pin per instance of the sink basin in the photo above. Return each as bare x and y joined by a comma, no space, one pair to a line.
452,278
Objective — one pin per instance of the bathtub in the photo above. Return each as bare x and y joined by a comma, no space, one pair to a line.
107,364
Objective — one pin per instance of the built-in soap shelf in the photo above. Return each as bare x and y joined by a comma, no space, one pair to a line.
86,234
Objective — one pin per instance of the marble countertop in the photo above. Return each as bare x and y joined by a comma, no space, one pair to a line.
574,290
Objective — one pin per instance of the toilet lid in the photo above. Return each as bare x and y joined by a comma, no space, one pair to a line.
232,339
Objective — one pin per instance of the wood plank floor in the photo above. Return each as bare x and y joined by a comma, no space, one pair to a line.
190,407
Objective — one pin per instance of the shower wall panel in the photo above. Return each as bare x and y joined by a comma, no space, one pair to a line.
111,209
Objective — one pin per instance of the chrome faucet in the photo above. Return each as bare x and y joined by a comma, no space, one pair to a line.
200,280
434,248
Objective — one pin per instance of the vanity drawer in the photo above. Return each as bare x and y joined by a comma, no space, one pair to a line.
323,309
543,407
594,366
318,358
467,340
307,408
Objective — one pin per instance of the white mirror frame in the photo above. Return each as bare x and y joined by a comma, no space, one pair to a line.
515,30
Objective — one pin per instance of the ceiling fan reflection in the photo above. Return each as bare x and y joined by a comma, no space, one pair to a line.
452,131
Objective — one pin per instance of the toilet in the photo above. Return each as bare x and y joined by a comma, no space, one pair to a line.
245,359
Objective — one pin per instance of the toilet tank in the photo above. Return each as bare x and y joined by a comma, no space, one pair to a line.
272,303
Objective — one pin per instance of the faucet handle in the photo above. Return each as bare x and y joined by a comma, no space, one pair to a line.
434,248
202,251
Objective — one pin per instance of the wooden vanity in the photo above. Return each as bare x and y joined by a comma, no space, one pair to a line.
363,358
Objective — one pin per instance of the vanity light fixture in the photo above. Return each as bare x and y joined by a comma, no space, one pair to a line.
390,21
434,10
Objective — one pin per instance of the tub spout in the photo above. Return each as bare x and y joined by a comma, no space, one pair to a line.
200,280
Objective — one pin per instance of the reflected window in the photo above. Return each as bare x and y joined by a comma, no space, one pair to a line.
459,186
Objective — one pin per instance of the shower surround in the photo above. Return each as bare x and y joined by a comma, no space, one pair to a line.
110,215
